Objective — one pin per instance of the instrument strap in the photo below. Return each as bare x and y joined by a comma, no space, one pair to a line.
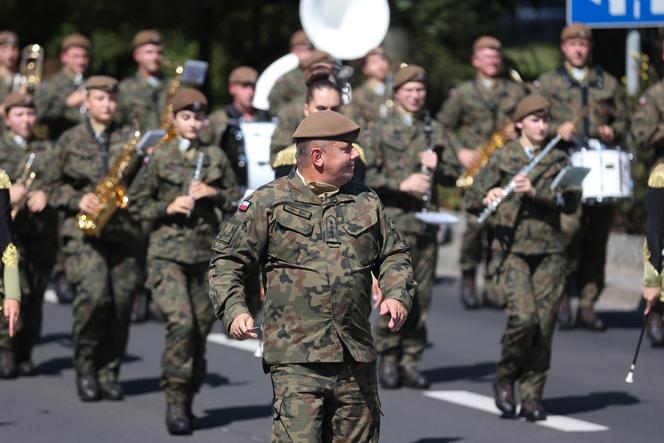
584,86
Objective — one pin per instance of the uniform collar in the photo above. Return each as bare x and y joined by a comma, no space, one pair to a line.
321,189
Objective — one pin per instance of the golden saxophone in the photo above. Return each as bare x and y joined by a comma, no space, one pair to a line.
30,70
26,179
173,87
496,142
111,192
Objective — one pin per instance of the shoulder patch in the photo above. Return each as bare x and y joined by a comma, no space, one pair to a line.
656,178
244,206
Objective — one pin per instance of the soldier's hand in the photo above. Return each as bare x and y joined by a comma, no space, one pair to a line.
567,131
37,201
76,98
468,157
16,194
376,293
429,159
89,203
493,195
606,133
181,205
11,310
242,327
650,295
417,182
397,312
201,190
523,185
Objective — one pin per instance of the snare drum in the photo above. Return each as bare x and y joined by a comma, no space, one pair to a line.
610,176
257,138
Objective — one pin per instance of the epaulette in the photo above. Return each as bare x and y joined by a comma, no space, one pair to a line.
286,157
10,256
5,182
656,179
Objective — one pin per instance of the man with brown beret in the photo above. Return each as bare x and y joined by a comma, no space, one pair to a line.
473,112
142,97
9,58
60,102
374,97
35,226
104,270
527,226
224,125
318,347
291,85
399,148
586,102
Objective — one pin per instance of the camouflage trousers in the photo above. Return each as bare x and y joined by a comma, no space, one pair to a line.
105,277
532,287
325,402
37,259
181,293
407,345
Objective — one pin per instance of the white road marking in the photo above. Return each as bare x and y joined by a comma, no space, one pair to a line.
486,404
250,345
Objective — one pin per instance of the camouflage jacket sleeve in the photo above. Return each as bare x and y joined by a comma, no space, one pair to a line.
450,117
620,117
65,196
50,102
648,119
238,247
486,179
373,150
146,203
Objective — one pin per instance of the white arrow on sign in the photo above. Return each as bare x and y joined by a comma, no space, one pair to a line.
617,7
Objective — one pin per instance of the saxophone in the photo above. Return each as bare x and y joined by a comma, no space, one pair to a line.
111,192
496,142
173,87
26,179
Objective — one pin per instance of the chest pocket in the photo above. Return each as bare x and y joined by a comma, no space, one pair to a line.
291,239
364,238
173,176
84,163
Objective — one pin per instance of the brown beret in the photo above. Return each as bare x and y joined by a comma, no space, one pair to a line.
410,73
102,82
75,40
576,30
299,38
487,42
147,36
244,75
189,99
327,125
530,104
317,57
8,38
18,99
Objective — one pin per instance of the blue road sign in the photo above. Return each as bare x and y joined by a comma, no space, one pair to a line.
616,13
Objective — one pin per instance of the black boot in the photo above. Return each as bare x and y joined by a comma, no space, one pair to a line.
565,318
413,378
503,394
587,319
7,365
88,388
532,410
111,390
388,374
177,419
468,291
656,330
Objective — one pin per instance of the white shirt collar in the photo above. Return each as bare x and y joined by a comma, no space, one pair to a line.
184,144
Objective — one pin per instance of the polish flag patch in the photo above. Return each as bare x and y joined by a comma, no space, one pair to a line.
244,206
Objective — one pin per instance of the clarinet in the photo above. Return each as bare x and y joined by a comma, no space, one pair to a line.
507,190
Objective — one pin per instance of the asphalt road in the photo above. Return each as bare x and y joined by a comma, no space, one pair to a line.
586,383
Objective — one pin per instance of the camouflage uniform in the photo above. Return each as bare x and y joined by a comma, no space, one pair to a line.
50,103
36,239
290,87
178,256
104,270
392,150
648,123
317,255
373,99
140,103
471,114
528,237
587,232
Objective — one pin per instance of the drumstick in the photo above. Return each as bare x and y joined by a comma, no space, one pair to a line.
630,375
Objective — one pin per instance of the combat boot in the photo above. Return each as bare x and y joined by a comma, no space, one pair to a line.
88,388
586,318
7,365
413,378
468,291
532,410
565,319
503,394
656,329
388,374
177,419
111,390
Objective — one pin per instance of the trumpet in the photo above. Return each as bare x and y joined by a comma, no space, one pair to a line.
30,69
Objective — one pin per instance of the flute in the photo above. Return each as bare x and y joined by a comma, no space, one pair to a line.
197,172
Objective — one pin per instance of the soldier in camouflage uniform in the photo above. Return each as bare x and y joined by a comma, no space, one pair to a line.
396,150
104,270
291,85
142,97
586,102
9,58
472,113
374,97
35,223
182,209
527,235
317,237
